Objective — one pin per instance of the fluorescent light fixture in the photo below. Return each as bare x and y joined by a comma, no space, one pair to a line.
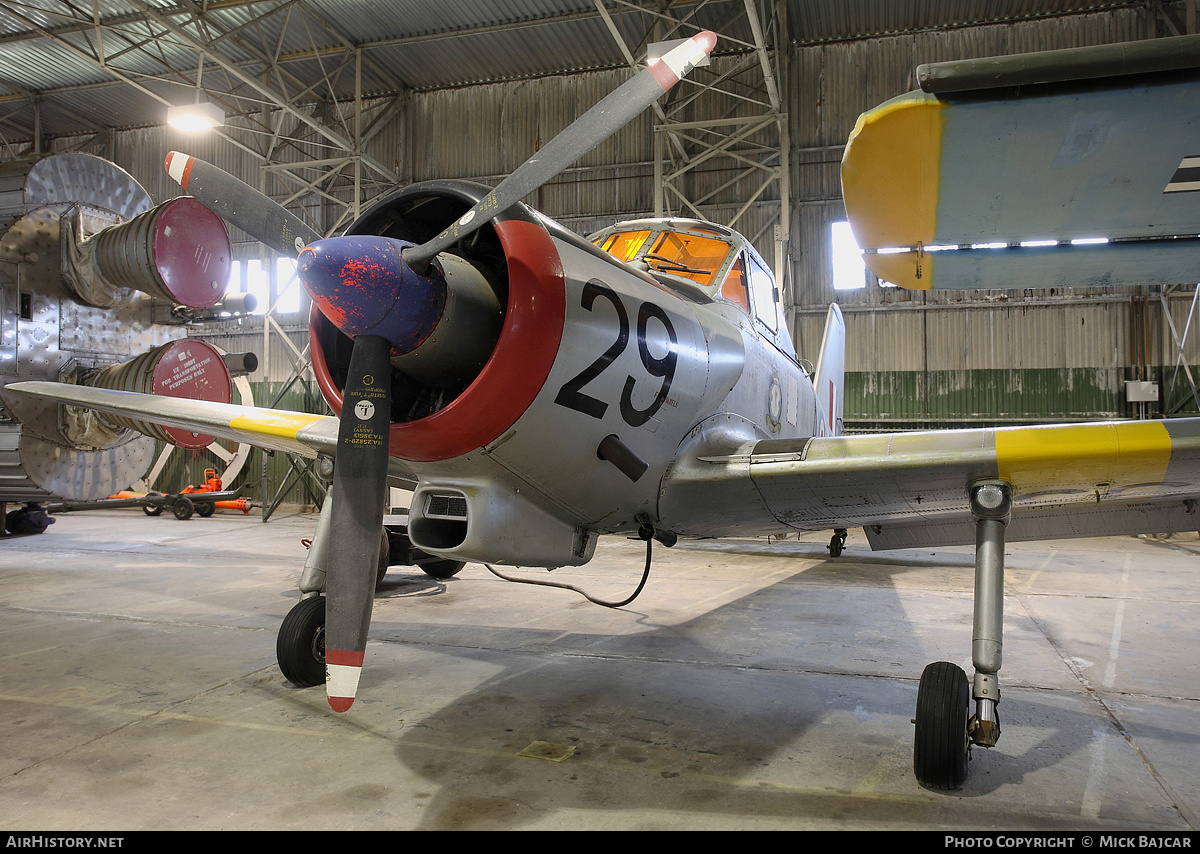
194,117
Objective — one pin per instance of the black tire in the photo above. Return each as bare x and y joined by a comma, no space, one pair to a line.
941,748
182,509
152,509
205,510
385,551
835,546
442,569
300,645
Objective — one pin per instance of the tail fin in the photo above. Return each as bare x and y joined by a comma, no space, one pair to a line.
830,380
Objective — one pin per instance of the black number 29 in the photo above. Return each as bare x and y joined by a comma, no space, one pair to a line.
571,394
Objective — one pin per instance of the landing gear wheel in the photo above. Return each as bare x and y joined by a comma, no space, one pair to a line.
30,519
942,745
152,509
205,510
442,568
182,509
300,646
837,543
385,552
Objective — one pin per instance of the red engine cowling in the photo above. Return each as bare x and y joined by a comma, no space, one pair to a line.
495,342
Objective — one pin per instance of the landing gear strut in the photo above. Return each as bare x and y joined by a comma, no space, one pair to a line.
945,730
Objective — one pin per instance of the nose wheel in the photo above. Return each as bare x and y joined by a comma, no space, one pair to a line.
300,645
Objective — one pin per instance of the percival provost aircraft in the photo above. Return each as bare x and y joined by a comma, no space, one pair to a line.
539,390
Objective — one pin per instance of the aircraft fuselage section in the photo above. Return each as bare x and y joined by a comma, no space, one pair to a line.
637,369
640,371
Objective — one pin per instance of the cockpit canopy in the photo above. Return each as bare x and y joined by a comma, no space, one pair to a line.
700,259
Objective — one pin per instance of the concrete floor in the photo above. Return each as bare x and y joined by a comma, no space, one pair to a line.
752,685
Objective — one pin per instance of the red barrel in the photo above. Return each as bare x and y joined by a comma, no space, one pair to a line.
178,251
188,368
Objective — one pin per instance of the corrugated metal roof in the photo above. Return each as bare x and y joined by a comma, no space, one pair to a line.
133,58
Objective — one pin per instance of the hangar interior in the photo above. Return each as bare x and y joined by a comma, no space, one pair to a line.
761,683
327,105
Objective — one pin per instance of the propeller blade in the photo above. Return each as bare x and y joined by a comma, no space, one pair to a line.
359,496
613,112
239,203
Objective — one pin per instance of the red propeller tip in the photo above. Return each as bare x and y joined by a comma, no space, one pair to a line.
342,669
676,63
179,167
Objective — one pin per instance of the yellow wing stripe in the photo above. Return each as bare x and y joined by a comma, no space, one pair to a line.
1083,456
282,424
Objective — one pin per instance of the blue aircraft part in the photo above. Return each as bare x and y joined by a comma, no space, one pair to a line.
363,286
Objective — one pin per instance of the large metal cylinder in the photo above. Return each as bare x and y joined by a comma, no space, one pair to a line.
178,251
188,368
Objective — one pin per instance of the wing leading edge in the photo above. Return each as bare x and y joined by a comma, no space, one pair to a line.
298,433
911,489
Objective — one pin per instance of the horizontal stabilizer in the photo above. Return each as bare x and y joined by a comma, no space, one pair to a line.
1072,183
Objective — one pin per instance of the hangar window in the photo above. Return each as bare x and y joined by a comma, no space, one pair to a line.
849,271
251,277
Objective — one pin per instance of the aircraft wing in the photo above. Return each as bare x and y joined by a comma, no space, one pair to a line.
911,489
298,433
1007,172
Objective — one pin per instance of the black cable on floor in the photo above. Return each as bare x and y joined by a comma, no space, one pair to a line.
622,603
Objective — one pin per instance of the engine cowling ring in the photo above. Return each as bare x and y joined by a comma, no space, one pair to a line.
525,348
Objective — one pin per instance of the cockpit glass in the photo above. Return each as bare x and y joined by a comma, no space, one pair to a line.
625,245
688,255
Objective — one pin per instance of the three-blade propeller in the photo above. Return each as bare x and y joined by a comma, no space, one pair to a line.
359,489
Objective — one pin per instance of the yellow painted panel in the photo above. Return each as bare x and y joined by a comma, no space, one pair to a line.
890,172
906,269
283,424
1088,457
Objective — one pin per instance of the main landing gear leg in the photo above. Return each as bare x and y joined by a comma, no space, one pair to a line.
945,730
